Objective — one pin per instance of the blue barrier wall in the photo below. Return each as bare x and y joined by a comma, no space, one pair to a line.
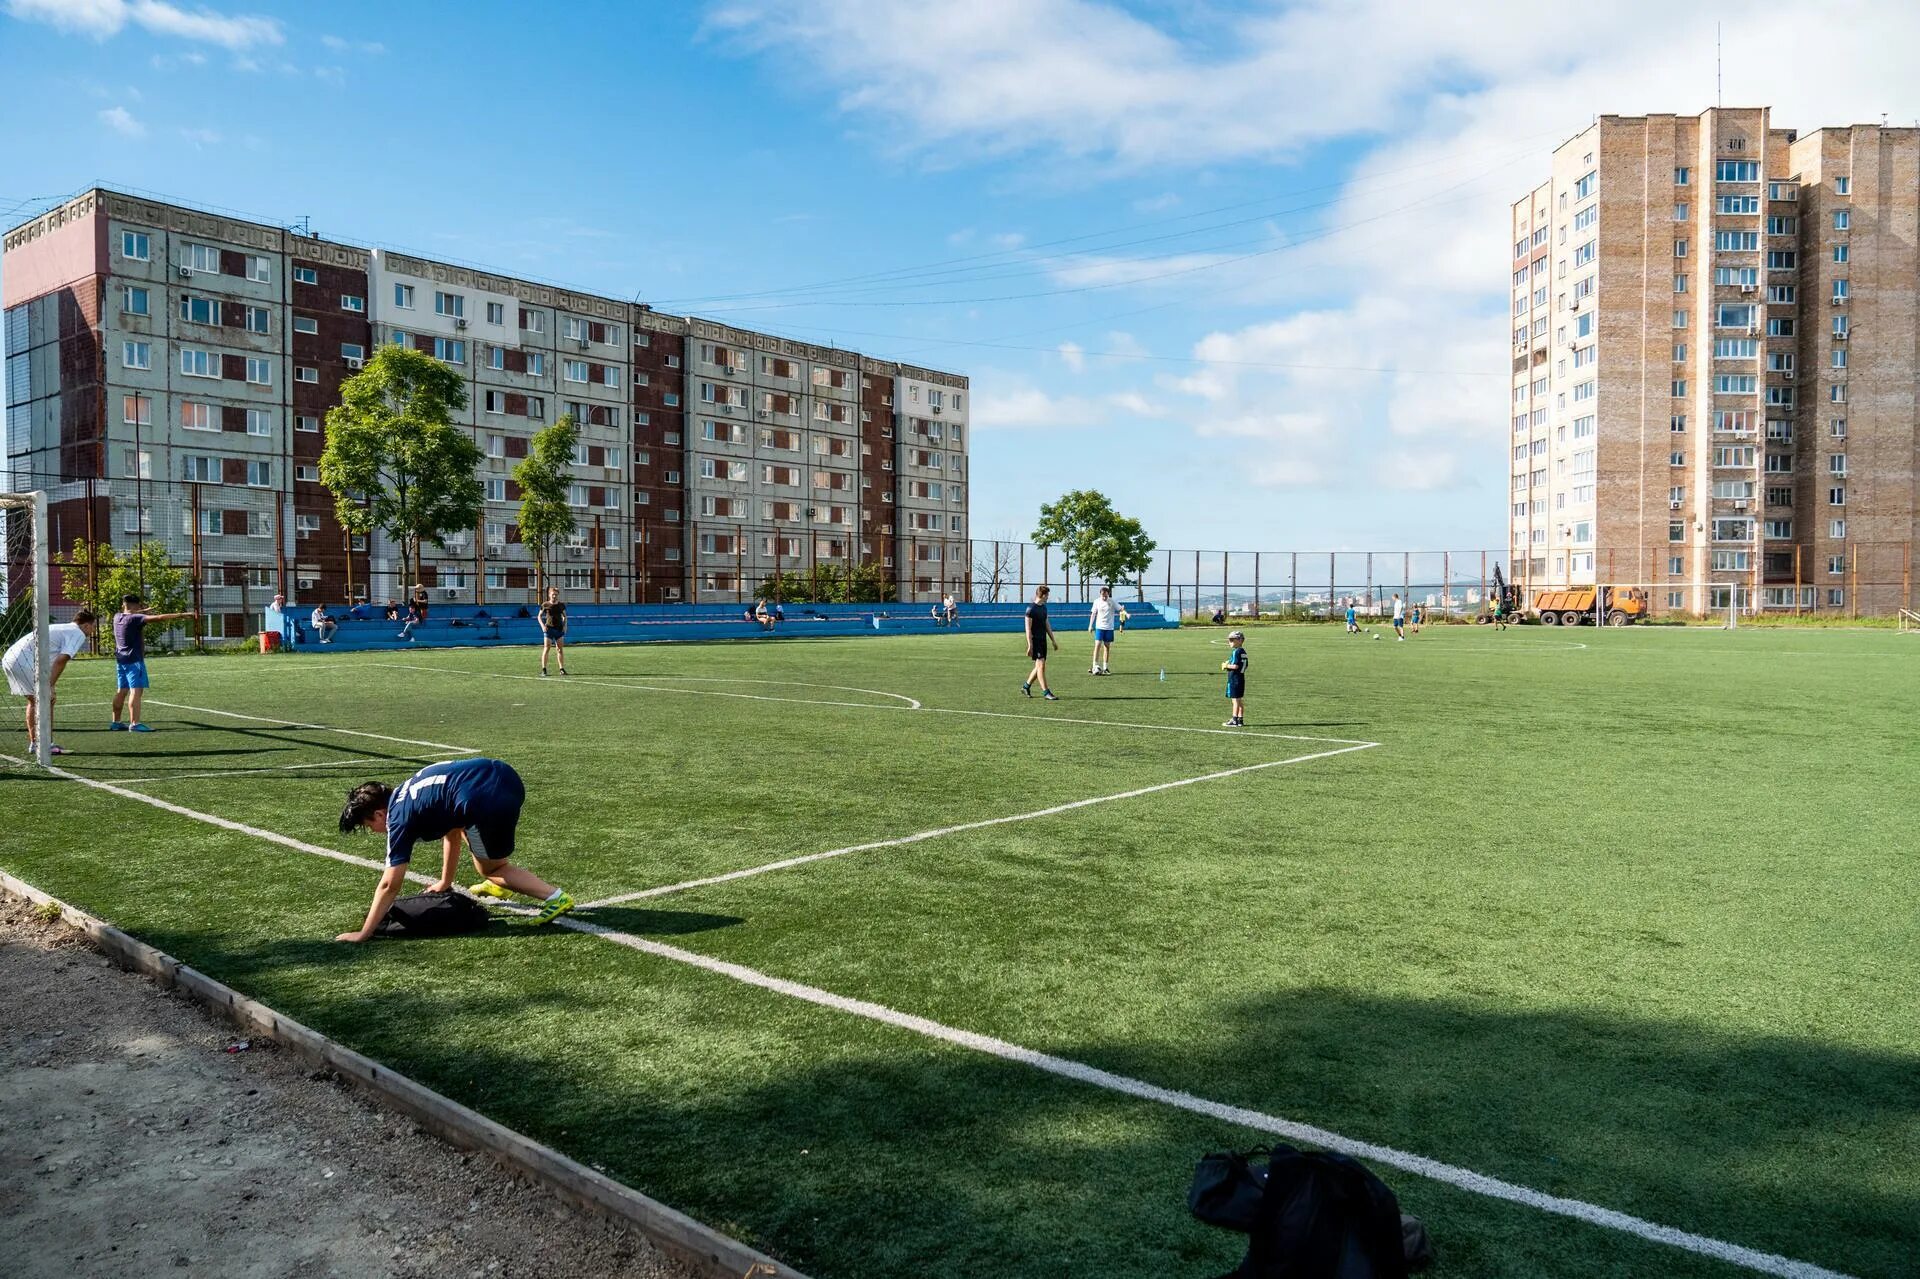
469,627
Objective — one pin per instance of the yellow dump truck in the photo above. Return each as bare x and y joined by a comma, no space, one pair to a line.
1574,606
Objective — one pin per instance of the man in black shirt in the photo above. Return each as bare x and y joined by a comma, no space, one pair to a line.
553,629
1039,635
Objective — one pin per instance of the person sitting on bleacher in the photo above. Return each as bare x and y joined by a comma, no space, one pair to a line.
323,626
360,612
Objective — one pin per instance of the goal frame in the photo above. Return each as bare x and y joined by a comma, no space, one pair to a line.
35,504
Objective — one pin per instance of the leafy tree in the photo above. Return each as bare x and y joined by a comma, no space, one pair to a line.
98,576
394,461
829,583
544,478
1096,542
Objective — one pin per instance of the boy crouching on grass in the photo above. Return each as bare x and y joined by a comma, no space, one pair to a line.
478,800
1236,668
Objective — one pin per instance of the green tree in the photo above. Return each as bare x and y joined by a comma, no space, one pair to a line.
98,576
394,461
1096,542
544,477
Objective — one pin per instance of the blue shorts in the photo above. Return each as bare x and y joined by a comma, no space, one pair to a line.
1236,686
553,633
130,674
1103,637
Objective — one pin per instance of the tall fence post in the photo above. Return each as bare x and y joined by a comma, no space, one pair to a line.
1370,607
1256,585
1196,586
1446,584
1293,581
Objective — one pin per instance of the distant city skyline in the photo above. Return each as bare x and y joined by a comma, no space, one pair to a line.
1255,318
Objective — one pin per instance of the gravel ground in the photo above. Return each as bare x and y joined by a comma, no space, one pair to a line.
132,1144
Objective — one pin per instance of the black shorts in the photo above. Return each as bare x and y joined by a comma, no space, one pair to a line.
554,632
1038,652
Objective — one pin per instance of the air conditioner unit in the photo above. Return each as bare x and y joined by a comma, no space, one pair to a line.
575,552
450,592
582,343
496,549
459,324
186,273
935,410
1840,337
354,362
726,408
1786,375
1749,288
1674,506
1739,506
763,414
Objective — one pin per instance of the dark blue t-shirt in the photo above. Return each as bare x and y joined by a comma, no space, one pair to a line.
1038,613
462,794
130,638
1237,666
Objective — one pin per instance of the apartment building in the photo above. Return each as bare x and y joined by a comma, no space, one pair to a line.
169,372
1714,363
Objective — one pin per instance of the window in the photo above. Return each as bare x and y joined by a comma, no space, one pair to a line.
1584,254
1780,361
450,350
307,474
136,355
1584,187
305,324
1736,348
1676,459
1781,294
133,301
195,310
1837,529
352,351
450,304
136,410
260,372
1736,241
135,246
1679,319
1837,565
197,363
1781,226
496,313
1840,326
1679,284
1679,352
1681,212
1842,219
305,275
1779,464
1837,464
1837,496
259,270
537,406
496,402
1677,424
353,302
1679,390
1734,455
301,373
201,258
1736,171
1837,428
576,371
1841,290
1837,393
1681,177
202,470
260,422
496,489
1737,204
1779,497
1780,327
1839,359
196,416
1582,430
1733,316
1679,248
1843,186
306,425
1746,277
1732,561
1782,260
1839,253
537,363
1676,532
260,475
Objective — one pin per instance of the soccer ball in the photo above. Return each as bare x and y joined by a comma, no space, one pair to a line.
1376,634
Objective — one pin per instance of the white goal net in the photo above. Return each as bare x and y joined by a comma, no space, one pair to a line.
26,589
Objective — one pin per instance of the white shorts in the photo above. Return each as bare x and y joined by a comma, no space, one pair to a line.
20,681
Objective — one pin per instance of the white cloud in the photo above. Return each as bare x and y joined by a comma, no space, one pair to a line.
103,19
1006,403
1158,203
121,121
1074,356
340,44
1008,240
201,137
1175,269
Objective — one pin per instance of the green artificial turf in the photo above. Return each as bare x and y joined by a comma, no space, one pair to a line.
1626,917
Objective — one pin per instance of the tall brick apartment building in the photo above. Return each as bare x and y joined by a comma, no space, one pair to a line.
1715,353
168,374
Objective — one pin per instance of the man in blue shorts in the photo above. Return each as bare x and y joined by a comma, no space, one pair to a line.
130,661
477,801
1353,621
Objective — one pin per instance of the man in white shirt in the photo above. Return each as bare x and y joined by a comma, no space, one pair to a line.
1102,619
21,661
1399,618
323,626
951,609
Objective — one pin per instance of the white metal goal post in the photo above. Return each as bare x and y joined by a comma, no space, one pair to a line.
26,581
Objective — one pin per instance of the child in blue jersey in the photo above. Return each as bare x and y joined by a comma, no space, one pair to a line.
477,801
1353,620
1236,668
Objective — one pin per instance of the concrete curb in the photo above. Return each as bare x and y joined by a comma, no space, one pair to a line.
711,1253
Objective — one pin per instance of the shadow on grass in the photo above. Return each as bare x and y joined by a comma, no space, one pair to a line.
847,1148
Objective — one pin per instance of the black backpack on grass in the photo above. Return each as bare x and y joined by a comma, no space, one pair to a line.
1308,1215
445,914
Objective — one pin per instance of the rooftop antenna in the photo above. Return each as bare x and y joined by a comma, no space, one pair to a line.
1719,93
304,226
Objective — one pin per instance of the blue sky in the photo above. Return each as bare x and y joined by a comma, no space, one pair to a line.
1241,266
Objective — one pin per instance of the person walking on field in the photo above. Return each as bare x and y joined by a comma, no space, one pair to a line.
553,629
130,661
1353,618
1399,618
1102,620
21,664
472,801
1039,635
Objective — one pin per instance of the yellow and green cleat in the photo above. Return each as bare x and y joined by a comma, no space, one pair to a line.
487,888
551,909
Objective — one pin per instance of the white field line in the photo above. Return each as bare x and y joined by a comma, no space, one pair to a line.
1419,1165
323,728
869,706
690,692
245,772
921,836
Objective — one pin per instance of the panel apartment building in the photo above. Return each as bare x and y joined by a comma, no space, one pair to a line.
1715,346
169,371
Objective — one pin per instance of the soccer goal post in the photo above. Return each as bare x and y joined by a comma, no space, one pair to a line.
26,590
1909,622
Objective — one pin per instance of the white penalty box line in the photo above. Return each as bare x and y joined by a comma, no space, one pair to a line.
921,836
1419,1165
